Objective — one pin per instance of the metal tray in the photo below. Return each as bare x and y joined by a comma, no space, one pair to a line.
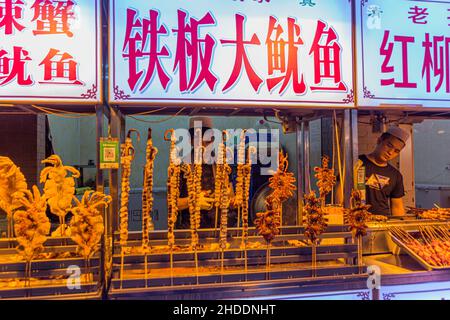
415,256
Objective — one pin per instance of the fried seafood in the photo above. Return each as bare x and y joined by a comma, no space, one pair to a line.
31,225
87,225
126,158
59,187
147,192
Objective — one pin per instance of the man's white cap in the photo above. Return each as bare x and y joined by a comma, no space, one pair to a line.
398,133
204,122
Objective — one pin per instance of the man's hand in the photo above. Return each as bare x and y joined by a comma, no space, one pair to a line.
205,200
397,207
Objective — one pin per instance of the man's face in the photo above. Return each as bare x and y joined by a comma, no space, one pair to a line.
389,148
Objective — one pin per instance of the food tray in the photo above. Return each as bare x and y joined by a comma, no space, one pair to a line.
415,256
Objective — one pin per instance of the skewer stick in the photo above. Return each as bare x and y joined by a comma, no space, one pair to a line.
216,220
423,236
360,254
26,274
222,258
268,262
196,263
436,236
122,258
146,270
445,233
239,217
281,218
314,259
171,267
10,228
245,261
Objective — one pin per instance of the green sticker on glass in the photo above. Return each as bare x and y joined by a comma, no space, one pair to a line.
109,153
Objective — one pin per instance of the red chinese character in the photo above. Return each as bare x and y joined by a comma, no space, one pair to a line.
277,56
448,18
437,61
60,66
327,59
141,35
10,12
52,16
418,15
189,44
11,68
386,50
241,56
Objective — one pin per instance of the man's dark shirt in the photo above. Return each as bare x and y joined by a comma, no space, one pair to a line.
207,217
382,184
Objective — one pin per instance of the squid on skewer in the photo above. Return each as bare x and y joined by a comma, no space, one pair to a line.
316,222
358,215
198,171
173,183
283,185
31,225
219,181
12,182
224,198
189,174
127,157
147,192
326,179
247,171
59,188
240,177
87,225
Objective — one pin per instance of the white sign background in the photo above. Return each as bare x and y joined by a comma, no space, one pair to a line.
395,18
84,46
336,13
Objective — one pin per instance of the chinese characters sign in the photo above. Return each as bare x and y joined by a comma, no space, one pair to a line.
50,51
231,53
404,51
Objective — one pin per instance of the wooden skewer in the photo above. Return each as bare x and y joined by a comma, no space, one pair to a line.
444,232
222,258
145,268
171,267
216,221
122,257
423,236
245,261
196,264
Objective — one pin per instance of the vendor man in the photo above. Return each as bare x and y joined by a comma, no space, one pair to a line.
206,199
384,183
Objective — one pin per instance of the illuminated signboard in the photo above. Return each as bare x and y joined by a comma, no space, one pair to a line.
403,53
50,51
243,53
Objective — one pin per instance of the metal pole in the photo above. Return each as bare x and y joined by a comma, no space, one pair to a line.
116,132
348,152
306,157
100,188
355,140
300,173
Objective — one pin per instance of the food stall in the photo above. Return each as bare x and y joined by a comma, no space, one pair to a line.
404,83
293,63
167,59
44,70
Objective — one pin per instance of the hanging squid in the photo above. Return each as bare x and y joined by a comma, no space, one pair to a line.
173,189
127,157
59,188
12,182
147,192
31,225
